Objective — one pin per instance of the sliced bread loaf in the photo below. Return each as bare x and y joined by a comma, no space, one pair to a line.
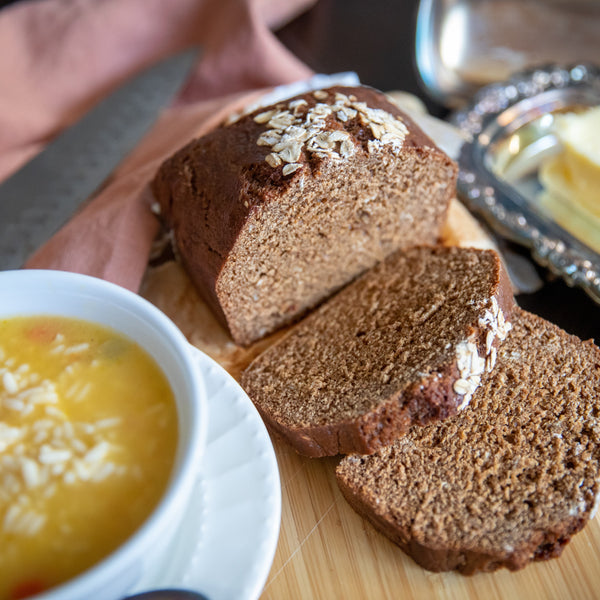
507,481
406,343
274,212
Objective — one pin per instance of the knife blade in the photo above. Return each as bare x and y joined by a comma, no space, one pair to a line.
40,197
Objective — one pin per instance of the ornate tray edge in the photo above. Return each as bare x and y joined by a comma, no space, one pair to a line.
500,204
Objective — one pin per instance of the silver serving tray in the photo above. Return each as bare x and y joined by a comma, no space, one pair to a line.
498,179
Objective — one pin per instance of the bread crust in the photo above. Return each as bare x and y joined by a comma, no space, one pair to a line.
421,404
542,545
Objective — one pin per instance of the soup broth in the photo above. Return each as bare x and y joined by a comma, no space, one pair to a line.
88,434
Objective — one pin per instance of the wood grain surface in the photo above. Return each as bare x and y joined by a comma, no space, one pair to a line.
325,549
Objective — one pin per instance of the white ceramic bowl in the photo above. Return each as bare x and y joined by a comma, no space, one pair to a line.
30,292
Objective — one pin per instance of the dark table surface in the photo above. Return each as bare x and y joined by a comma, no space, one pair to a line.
376,39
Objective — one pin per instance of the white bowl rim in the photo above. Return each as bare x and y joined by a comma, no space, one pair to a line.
184,475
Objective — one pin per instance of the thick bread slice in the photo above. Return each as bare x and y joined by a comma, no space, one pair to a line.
507,481
406,343
275,212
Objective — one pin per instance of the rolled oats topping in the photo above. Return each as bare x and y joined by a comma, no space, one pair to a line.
471,366
298,128
291,168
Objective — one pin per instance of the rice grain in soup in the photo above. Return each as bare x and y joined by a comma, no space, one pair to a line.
88,434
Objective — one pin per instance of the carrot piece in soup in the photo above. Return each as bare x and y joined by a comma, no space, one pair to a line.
27,588
43,333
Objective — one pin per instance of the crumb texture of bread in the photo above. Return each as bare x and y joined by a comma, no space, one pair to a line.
273,213
408,342
508,480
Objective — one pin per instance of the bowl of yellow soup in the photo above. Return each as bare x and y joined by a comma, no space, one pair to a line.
102,428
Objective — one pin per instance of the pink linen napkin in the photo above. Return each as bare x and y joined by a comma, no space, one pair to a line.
58,57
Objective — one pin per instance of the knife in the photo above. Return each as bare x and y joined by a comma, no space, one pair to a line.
41,197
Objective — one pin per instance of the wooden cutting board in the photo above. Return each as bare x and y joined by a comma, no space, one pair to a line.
325,549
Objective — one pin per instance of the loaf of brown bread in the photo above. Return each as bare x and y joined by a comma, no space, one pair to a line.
408,342
507,481
274,212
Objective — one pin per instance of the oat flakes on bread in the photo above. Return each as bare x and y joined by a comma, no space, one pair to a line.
408,342
273,213
508,480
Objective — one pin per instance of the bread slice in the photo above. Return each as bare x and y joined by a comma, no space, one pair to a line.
275,212
507,481
406,343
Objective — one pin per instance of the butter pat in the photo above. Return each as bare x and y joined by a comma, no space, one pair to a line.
571,179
